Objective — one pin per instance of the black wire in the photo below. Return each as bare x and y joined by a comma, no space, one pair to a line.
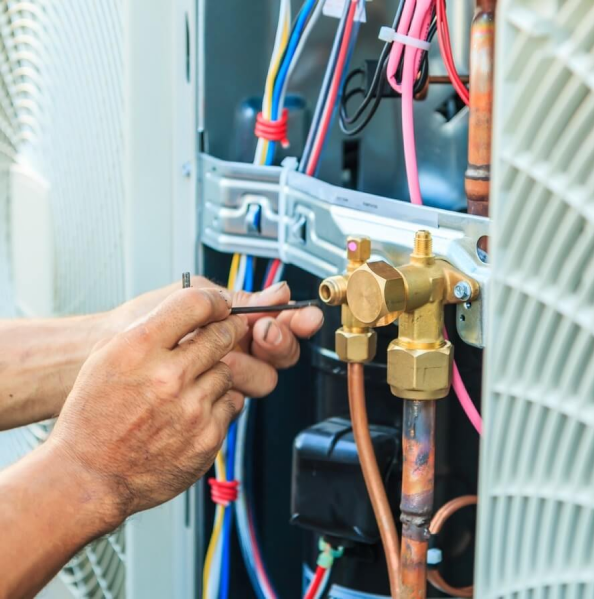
375,93
326,83
375,82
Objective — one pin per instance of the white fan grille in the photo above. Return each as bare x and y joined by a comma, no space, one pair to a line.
536,523
62,114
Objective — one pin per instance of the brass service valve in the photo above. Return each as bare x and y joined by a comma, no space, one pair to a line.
420,359
355,341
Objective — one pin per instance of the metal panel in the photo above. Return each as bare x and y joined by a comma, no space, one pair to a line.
306,222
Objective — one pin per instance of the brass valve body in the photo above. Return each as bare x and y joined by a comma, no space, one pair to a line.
420,359
354,341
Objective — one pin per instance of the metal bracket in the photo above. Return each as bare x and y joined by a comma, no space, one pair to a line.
305,222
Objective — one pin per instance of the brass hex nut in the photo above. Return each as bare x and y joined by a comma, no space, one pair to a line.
376,293
358,249
355,347
420,373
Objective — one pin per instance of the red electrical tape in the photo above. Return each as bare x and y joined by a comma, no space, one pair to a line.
273,130
223,492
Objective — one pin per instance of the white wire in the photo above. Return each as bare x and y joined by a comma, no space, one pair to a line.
299,50
284,21
278,277
324,584
240,277
241,508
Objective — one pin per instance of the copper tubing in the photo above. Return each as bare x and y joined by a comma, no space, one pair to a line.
437,523
371,474
478,173
418,481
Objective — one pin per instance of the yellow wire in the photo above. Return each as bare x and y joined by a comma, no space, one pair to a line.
220,462
233,272
221,475
269,87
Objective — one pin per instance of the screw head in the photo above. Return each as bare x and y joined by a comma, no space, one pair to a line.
462,291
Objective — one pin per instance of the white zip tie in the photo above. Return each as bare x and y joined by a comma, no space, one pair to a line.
387,34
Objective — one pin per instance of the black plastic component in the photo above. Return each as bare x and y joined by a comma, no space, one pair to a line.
328,492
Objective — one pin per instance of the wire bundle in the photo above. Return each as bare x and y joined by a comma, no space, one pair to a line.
353,124
340,54
323,571
272,122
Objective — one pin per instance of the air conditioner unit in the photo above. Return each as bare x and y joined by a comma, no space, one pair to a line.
97,204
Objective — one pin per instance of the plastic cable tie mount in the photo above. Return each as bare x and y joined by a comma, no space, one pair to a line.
387,34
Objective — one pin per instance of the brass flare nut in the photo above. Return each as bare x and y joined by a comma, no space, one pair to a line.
420,373
356,347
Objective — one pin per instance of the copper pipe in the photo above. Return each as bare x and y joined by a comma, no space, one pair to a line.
371,474
418,477
440,518
478,173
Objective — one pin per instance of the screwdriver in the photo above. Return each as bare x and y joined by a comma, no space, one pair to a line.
261,309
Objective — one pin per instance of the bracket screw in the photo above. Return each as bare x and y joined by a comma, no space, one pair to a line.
463,291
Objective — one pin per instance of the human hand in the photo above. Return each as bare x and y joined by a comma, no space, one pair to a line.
150,408
271,342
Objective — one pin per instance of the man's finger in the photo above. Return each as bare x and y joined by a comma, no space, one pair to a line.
181,313
304,323
227,409
274,343
208,388
273,296
210,344
251,376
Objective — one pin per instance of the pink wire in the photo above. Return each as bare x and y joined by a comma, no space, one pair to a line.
415,22
466,402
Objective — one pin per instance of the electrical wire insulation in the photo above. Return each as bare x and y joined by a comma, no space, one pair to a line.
324,90
280,43
445,47
317,583
315,17
372,476
440,518
333,92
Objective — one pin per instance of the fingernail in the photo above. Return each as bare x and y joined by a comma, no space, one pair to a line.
274,288
317,318
273,334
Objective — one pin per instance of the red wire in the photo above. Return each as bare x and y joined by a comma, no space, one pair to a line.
272,273
333,93
445,46
316,583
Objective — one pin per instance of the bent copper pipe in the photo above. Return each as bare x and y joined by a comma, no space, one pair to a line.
418,478
372,476
440,518
482,45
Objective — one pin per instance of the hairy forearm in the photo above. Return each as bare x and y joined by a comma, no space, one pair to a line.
49,509
39,362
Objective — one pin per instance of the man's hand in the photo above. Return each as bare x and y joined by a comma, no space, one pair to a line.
150,409
40,359
145,419
271,343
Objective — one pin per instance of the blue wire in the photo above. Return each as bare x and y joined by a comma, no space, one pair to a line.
228,520
249,274
281,76
230,468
